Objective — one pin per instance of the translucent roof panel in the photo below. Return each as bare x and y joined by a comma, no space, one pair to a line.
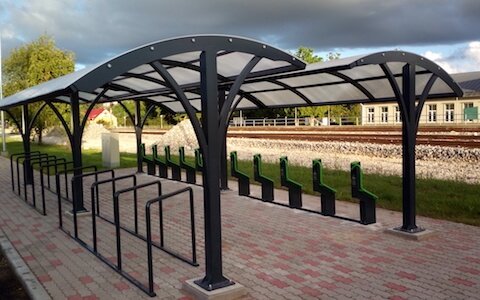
193,56
143,69
332,93
278,98
363,72
267,64
245,104
139,84
263,85
184,76
380,89
232,64
313,79
276,80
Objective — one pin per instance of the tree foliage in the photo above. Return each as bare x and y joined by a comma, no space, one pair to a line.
307,54
32,64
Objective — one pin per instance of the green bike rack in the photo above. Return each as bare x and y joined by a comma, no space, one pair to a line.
243,179
148,161
367,199
162,166
189,169
198,160
327,194
294,188
176,171
267,183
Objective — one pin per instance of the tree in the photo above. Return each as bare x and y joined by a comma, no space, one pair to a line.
32,64
307,55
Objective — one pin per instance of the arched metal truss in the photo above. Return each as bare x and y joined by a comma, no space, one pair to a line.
215,75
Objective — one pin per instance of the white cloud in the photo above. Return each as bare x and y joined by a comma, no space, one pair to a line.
473,53
464,59
438,58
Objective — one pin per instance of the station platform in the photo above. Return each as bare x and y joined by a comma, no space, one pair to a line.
274,251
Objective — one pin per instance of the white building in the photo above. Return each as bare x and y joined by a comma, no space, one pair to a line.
463,110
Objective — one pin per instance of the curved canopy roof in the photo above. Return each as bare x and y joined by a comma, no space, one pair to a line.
281,80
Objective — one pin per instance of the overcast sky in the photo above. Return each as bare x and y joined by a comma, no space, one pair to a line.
447,31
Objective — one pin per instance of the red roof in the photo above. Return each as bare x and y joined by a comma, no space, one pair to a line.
95,112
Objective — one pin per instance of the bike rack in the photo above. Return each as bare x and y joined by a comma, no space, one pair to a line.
57,162
294,188
198,160
366,198
11,164
76,177
95,203
39,162
116,268
243,179
160,246
327,194
65,171
189,169
176,171
148,161
160,199
267,183
162,166
17,160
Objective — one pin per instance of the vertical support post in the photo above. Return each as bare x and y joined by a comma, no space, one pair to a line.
409,131
214,278
4,146
223,160
26,145
138,136
77,191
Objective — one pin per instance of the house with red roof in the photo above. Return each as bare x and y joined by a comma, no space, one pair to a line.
102,116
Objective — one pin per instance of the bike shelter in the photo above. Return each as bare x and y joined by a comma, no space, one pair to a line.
208,77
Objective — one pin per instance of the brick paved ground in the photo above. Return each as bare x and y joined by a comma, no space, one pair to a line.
276,252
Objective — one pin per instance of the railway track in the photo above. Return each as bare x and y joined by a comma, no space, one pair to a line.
452,136
468,141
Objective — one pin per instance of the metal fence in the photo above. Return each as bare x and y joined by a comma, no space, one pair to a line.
303,121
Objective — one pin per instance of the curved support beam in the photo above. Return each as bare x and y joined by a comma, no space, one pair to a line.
20,130
232,93
396,92
382,58
360,87
90,108
35,116
293,90
62,120
142,77
150,109
170,81
128,112
423,98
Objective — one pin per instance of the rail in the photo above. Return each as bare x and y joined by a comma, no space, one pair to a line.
160,199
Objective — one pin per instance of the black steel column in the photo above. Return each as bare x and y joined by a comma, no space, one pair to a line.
223,160
214,278
138,136
77,191
26,145
409,131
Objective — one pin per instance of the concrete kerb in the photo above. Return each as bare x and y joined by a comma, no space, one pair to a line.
32,286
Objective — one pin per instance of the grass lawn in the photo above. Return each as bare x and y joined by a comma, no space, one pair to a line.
441,199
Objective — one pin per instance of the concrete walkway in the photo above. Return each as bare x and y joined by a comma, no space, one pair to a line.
276,252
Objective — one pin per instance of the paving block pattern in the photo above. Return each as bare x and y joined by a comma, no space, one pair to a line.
274,251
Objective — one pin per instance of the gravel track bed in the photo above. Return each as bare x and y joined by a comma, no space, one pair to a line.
452,163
